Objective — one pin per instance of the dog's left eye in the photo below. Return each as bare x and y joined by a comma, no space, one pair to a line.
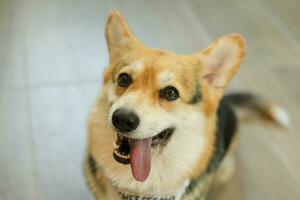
124,80
169,93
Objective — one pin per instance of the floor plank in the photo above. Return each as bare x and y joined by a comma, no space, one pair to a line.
286,16
264,41
17,175
12,47
60,138
73,30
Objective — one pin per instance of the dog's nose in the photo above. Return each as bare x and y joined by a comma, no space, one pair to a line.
125,120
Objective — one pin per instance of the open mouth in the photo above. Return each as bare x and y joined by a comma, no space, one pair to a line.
137,152
122,150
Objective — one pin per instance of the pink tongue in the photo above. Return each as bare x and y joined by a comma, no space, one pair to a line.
140,158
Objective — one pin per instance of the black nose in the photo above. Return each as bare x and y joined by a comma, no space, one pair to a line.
125,120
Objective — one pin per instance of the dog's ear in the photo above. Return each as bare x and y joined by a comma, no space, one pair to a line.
118,35
221,60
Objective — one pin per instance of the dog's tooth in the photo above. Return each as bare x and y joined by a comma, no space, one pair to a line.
115,145
120,155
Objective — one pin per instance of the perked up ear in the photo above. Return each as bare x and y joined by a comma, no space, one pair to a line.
221,60
118,35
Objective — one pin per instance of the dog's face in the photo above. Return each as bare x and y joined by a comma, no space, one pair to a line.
161,107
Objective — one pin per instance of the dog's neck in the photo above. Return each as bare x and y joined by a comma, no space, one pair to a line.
175,195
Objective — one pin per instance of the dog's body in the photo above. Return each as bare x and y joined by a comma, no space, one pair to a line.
164,114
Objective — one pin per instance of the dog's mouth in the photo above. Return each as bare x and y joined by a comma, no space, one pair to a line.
137,152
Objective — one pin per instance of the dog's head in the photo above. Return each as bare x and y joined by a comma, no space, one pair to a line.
161,106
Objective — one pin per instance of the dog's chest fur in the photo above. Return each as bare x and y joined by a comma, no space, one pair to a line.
103,189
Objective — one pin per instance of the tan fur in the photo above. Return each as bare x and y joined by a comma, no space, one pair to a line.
227,167
208,68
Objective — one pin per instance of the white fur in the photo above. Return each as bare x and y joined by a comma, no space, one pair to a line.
165,77
281,116
137,66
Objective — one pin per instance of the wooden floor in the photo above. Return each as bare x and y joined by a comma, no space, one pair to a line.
52,54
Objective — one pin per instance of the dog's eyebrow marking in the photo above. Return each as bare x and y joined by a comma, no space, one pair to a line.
165,77
196,98
137,65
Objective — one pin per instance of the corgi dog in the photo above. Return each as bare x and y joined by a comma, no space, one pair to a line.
162,128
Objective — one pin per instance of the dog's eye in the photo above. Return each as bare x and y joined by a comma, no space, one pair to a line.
124,80
169,93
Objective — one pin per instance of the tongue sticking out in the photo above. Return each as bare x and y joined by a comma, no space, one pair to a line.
140,158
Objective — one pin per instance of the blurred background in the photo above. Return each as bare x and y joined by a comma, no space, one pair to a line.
52,54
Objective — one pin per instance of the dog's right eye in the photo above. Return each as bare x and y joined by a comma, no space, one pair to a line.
169,93
124,80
